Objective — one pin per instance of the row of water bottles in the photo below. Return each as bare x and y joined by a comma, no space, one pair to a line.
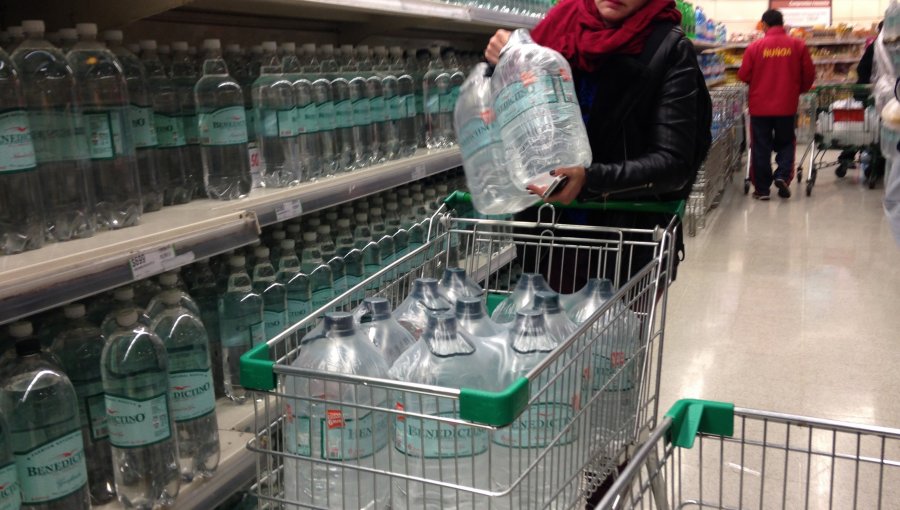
442,335
122,406
535,8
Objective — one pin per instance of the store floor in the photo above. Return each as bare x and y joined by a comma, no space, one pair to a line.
790,305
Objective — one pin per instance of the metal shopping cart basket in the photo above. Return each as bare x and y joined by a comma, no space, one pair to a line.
713,455
548,440
847,120
805,133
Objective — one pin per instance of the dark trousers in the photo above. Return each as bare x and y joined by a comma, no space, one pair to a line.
769,134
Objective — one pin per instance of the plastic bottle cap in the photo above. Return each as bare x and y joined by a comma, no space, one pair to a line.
338,322
164,49
327,47
127,318
279,235
324,229
288,244
289,47
454,272
437,318
378,307
22,329
362,217
33,26
362,49
170,297
74,311
376,211
309,47
309,236
237,261
86,28
112,35
180,46
269,46
381,50
211,44
261,252
168,279
406,201
548,301
343,223
68,34
123,294
435,51
391,206
293,228
346,48
233,48
469,306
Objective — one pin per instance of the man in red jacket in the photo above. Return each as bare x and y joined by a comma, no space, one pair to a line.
778,69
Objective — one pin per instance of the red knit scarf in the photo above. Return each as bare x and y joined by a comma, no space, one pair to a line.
575,29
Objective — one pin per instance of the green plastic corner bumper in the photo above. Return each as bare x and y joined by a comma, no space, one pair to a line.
691,416
489,408
674,207
257,370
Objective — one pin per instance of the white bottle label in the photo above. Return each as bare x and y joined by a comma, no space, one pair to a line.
274,323
193,395
297,310
537,427
53,470
143,128
191,126
92,408
136,423
169,130
9,488
476,134
100,135
16,147
519,97
268,125
225,126
287,123
433,439
340,437
56,137
307,118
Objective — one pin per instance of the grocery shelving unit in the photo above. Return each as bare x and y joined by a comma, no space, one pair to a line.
843,62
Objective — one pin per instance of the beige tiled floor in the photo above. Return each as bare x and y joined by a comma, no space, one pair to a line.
791,305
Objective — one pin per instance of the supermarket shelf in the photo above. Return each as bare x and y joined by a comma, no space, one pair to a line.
715,83
705,45
60,273
816,61
809,42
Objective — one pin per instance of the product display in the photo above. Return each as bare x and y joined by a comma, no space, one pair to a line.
241,325
386,334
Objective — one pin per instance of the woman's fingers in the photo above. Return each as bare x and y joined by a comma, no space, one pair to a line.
497,42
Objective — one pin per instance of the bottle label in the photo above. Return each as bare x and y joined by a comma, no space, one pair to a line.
608,367
307,118
102,135
225,126
447,101
193,395
433,104
420,103
268,123
475,135
343,114
169,130
396,108
9,488
327,120
191,126
53,470
236,332
55,136
567,87
143,128
92,408
537,427
321,297
257,333
274,324
137,423
341,437
519,97
297,310
16,147
287,123
361,114
377,109
411,106
433,439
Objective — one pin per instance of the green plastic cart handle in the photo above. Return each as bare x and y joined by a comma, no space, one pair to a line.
691,416
257,370
674,207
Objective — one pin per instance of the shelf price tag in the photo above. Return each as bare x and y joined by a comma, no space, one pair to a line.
418,172
151,262
289,209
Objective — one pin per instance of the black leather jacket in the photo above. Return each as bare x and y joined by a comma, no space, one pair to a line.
643,140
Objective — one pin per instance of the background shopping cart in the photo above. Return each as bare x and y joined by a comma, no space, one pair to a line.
713,455
599,389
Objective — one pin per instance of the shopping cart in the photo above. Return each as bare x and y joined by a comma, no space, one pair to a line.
805,133
713,455
570,420
847,121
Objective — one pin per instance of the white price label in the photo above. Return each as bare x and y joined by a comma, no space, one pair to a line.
150,262
418,172
255,162
289,209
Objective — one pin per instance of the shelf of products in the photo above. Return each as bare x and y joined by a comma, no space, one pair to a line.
809,42
38,280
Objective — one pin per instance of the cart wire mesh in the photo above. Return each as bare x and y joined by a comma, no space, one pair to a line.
329,440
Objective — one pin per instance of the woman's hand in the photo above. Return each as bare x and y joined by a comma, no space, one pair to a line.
492,52
576,177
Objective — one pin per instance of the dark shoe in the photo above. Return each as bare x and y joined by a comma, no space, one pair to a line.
758,196
784,191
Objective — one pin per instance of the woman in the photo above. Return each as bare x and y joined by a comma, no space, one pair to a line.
644,103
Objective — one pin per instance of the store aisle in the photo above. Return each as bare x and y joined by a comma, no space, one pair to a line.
790,305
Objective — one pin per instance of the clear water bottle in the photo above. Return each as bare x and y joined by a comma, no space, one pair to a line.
558,324
68,37
320,276
276,129
436,89
296,283
348,434
458,454
537,111
104,97
354,266
417,69
379,127
371,252
170,281
79,348
10,497
581,305
40,403
364,143
140,117
393,105
379,326
455,284
484,159
345,147
405,104
21,210
522,297
412,313
223,128
306,116
173,152
139,414
185,76
448,102
241,326
384,240
57,132
246,75
266,284
191,389
473,318
324,100
205,292
123,299
329,254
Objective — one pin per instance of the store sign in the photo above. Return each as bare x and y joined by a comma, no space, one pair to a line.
804,13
